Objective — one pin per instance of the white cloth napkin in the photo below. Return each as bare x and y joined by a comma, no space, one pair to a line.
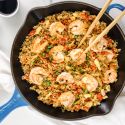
28,115
6,82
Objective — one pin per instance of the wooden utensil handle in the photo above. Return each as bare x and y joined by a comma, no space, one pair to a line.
95,21
105,31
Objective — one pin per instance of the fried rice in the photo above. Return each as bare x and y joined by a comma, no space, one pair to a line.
59,71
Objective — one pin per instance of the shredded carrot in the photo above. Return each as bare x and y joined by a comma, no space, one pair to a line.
92,54
77,106
93,67
85,108
99,97
32,32
105,53
46,37
62,40
85,16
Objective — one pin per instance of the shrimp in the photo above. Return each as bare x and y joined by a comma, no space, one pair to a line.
91,82
37,46
102,44
77,27
110,76
65,77
56,29
67,99
37,74
109,54
78,56
75,54
57,54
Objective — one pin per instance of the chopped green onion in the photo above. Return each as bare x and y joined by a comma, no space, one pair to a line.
34,61
85,91
69,64
57,73
50,46
43,54
75,36
33,54
68,42
87,58
47,50
66,52
50,58
73,68
47,82
81,70
76,102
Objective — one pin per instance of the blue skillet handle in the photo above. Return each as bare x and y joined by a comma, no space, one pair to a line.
117,6
15,101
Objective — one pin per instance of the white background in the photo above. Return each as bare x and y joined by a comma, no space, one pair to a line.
26,115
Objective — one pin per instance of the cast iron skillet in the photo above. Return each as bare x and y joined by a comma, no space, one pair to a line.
33,17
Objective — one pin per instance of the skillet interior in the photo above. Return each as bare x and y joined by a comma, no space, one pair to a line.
33,17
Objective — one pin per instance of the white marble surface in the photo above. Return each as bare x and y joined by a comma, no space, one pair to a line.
26,115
